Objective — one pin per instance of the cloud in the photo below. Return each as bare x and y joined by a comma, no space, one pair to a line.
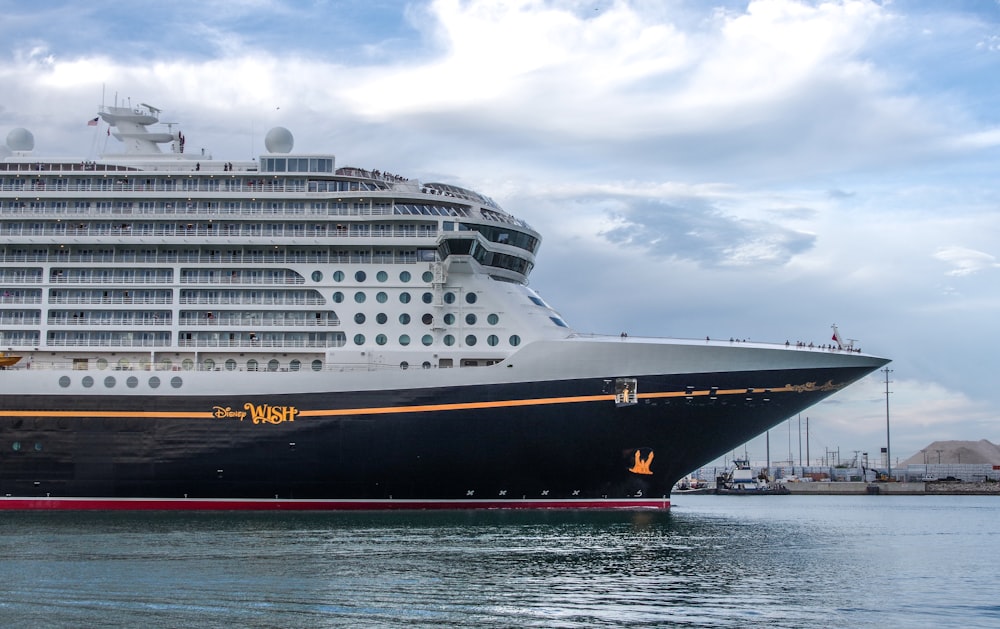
965,261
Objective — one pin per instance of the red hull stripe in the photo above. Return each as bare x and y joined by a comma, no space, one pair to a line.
238,504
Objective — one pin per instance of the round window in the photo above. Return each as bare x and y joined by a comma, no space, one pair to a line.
404,298
493,318
470,340
64,381
427,339
273,364
427,298
251,365
102,363
109,381
381,297
427,319
470,319
359,339
381,339
360,276
428,277
317,365
493,340
404,276
338,297
187,364
359,297
449,319
230,365
449,340
470,298
132,382
176,382
359,318
515,340
404,339
294,365
404,318
317,276
381,317
338,276
449,298
87,381
154,382
382,276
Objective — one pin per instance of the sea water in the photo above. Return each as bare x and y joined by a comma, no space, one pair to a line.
712,561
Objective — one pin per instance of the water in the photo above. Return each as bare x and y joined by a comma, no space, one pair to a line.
714,561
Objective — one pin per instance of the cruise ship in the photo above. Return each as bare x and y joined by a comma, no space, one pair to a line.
181,332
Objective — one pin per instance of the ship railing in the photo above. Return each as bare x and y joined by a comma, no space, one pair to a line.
64,300
223,231
27,299
225,322
799,346
97,321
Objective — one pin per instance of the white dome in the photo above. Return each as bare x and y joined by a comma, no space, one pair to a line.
20,140
279,140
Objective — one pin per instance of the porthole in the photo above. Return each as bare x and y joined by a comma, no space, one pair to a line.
38,447
317,276
109,382
87,381
515,340
404,319
231,365
381,297
209,364
64,381
165,364
492,340
132,382
427,298
16,446
449,298
493,318
470,319
338,297
449,319
294,365
359,339
470,298
404,339
123,364
252,365
404,298
176,382
470,340
359,318
317,365
426,364
381,318
381,339
102,363
404,276
273,364
360,276
154,382
449,340
427,339
427,319
428,277
187,364
404,365
338,276
359,297
382,276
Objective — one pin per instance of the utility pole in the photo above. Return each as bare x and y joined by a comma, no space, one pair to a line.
808,460
800,439
888,452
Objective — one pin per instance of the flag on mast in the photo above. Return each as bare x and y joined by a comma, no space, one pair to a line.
836,337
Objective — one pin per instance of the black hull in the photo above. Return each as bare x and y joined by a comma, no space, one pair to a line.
557,443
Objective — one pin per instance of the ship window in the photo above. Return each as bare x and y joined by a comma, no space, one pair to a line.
381,318
359,297
625,389
493,340
317,365
470,340
154,382
427,339
317,276
87,381
404,365
427,319
515,340
404,339
493,319
404,318
360,276
427,277
359,339
404,298
470,298
251,365
273,364
449,319
16,446
132,382
382,276
359,318
294,365
338,276
470,319
176,382
449,340
187,364
381,297
64,381
558,321
427,298
338,297
109,382
381,339
209,364
404,276
230,365
102,363
449,298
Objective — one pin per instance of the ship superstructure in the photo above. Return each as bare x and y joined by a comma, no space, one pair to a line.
286,333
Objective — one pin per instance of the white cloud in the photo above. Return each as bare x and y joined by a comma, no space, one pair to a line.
966,261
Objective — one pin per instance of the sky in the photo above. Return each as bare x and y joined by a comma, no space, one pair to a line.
758,170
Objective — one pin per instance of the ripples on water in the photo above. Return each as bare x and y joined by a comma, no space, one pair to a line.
714,561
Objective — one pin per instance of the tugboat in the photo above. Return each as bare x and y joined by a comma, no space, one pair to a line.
740,480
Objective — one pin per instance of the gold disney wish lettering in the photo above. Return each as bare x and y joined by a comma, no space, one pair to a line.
259,413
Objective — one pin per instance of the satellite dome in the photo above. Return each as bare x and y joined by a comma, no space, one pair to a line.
20,140
279,140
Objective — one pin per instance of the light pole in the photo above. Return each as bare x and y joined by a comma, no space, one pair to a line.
888,452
